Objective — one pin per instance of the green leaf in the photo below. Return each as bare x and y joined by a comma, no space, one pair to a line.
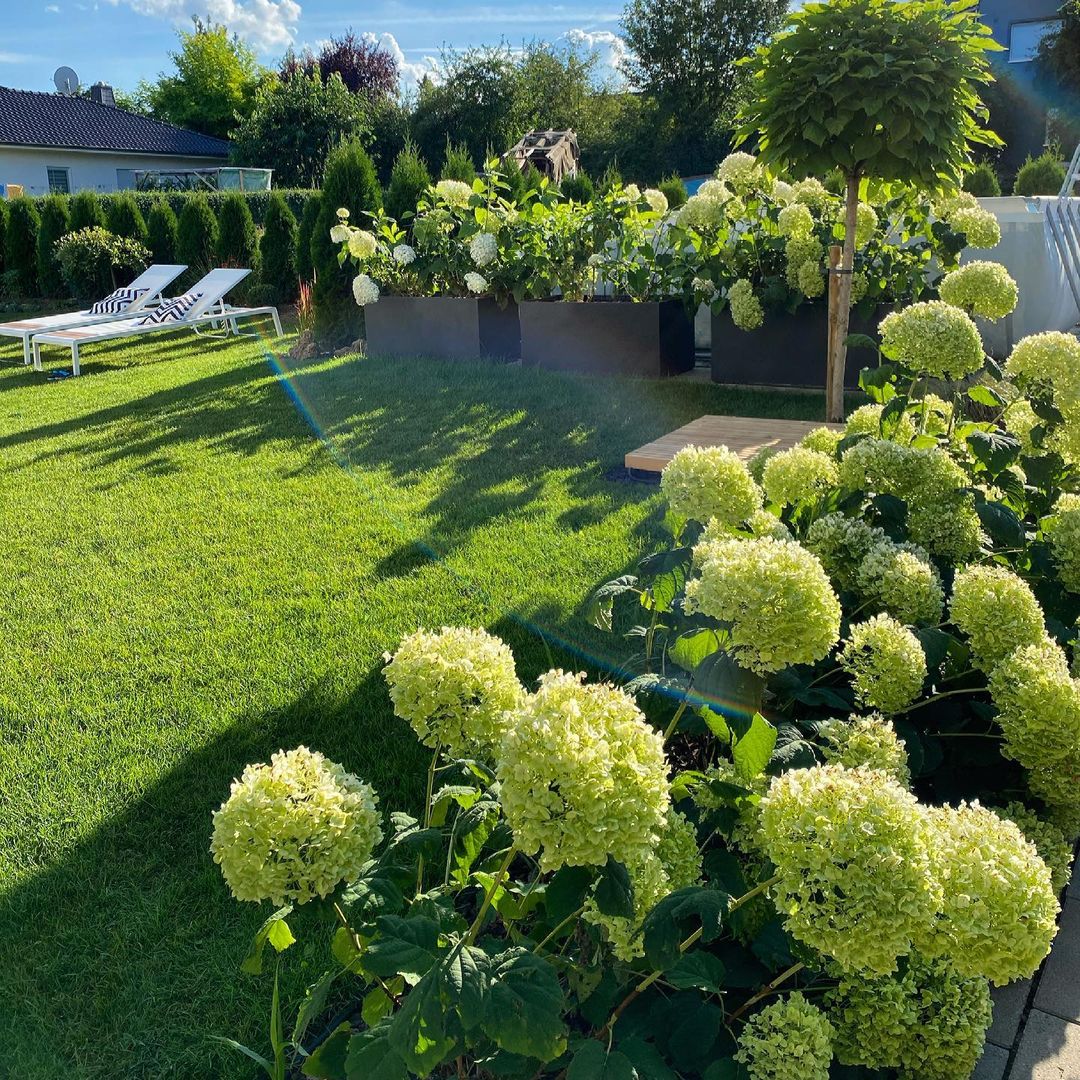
344,950
614,891
524,1008
861,341
728,1069
327,1062
646,1059
691,648
594,1062
695,1033
566,891
276,931
697,970
878,381
372,1057
461,794
1004,527
417,1032
598,611
370,896
408,947
672,920
985,395
474,829
751,751
466,982
995,450
313,1005
240,1048
722,683
378,1003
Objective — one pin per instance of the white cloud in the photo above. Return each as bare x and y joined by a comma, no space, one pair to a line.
264,24
15,58
53,9
411,73
610,50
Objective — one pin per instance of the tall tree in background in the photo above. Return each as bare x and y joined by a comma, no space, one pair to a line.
686,54
215,80
1057,77
365,67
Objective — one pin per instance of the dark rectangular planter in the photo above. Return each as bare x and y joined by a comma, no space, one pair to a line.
789,350
608,337
444,327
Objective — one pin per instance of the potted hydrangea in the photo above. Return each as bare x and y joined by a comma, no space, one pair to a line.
760,258
443,294
605,289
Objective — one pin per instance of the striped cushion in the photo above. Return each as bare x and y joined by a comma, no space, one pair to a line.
117,302
175,310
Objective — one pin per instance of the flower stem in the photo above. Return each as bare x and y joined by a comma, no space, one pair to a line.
427,813
470,937
765,991
939,697
558,929
675,719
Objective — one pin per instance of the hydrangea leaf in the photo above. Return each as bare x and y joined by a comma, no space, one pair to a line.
408,947
595,1062
676,916
566,891
697,970
327,1062
417,1032
371,1057
614,890
753,747
282,938
524,1008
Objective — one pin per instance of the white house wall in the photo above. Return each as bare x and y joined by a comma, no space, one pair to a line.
104,171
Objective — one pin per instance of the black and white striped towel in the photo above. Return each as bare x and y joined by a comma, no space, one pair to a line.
117,301
175,310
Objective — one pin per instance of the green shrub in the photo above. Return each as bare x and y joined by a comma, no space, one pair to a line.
86,211
161,227
196,239
20,246
674,190
277,248
349,182
238,242
124,218
1043,175
457,165
257,201
93,261
3,230
611,178
55,222
982,181
409,179
305,269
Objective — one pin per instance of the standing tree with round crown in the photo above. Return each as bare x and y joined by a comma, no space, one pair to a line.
879,89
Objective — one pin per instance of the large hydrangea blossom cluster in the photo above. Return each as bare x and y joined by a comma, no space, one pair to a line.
788,1040
746,310
933,338
796,474
703,483
886,663
981,288
583,775
867,742
455,688
997,611
776,596
294,829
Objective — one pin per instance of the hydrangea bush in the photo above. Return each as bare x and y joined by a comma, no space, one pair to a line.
831,805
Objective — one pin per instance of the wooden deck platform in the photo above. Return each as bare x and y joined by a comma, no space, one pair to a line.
746,435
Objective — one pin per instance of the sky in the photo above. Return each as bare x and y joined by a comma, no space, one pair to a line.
123,41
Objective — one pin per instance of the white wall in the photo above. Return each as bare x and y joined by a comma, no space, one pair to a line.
87,169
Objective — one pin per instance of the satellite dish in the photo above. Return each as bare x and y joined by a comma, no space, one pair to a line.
66,81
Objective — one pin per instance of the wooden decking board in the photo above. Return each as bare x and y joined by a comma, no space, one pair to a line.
746,435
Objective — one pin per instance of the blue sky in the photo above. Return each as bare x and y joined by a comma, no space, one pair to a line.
122,41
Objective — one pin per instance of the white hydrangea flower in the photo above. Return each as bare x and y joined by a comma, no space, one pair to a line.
455,192
657,200
632,192
739,168
339,234
364,290
343,213
476,283
404,254
483,249
362,244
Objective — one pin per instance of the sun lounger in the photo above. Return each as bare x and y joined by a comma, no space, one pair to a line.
121,304
201,308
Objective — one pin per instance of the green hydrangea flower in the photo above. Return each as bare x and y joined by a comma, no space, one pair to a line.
999,911
1062,530
1038,705
1053,846
1051,362
795,220
886,467
776,596
788,1040
743,834
981,288
812,192
886,663
867,742
675,864
740,170
980,227
903,581
866,420
583,775
997,611
824,440
811,280
928,1022
796,474
850,846
946,526
841,543
454,688
933,338
801,251
294,829
705,482
746,310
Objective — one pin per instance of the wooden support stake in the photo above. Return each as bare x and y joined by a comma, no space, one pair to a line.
836,254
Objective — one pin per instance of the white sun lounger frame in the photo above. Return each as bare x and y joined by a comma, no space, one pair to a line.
211,311
154,279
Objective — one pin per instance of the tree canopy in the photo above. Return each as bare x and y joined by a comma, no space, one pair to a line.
365,66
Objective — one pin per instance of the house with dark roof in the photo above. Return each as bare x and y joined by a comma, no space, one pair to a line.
53,142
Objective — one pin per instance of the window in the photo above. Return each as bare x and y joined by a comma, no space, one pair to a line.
125,179
59,181
1025,38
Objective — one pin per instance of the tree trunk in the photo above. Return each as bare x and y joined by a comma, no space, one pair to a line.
834,392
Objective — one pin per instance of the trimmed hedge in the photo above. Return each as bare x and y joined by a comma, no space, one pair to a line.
349,182
86,211
20,246
55,222
196,239
982,181
1043,175
124,218
161,227
305,268
277,248
238,243
409,179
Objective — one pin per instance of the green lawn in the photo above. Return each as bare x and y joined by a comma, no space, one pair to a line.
202,561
